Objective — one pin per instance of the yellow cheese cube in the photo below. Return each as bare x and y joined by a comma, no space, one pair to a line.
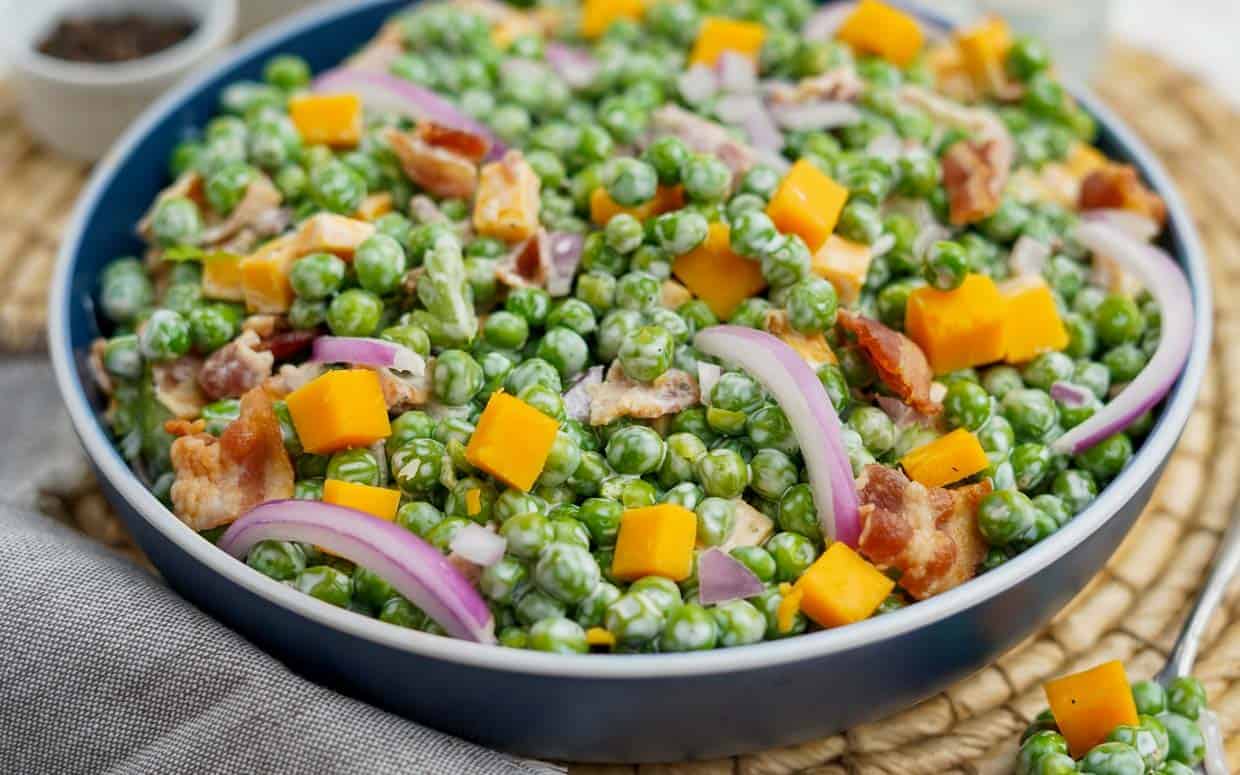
877,28
945,460
718,276
379,502
807,203
1031,324
332,233
221,277
264,276
597,15
841,587
844,264
1088,705
327,119
339,409
512,441
959,328
655,541
718,34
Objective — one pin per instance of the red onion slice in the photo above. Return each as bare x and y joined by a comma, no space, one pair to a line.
697,84
762,131
1029,256
734,108
798,392
737,73
565,247
413,567
388,92
708,375
577,397
1071,395
721,577
361,351
1134,224
816,115
478,545
576,66
1166,281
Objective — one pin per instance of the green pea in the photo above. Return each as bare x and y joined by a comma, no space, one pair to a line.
836,384
771,473
317,276
566,572
1150,697
1038,746
419,517
355,465
531,303
354,312
1075,488
998,381
722,473
562,461
1186,743
967,405
797,513
1149,739
683,451
601,517
705,178
646,353
786,262
715,519
165,336
689,627
592,609
512,502
1006,517
634,619
680,231
1031,412
630,490
738,623
1187,697
635,450
1112,759
326,584
1055,764
1107,458
527,534
629,182
417,466
1125,362
177,222
1047,369
457,377
280,560
380,264
812,305
751,313
793,554
125,290
219,414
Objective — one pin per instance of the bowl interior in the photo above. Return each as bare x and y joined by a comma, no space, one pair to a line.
136,170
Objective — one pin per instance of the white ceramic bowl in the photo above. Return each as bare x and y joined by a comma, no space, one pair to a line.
79,109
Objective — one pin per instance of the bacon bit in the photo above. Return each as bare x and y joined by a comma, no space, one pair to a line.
929,534
1118,186
900,363
973,180
812,348
291,378
841,84
285,345
403,392
266,326
704,136
467,144
440,171
424,210
217,481
621,396
235,368
176,386
528,264
97,371
507,203
256,216
185,427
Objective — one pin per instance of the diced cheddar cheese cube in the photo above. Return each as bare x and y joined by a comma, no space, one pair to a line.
473,502
327,119
983,49
807,203
1084,159
877,28
380,502
666,199
264,276
947,459
506,204
718,34
1031,324
597,636
844,264
597,15
221,277
718,276
374,207
655,541
512,441
333,233
339,409
841,587
672,294
789,607
959,328
1089,704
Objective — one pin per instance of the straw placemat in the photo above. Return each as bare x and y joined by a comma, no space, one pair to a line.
1132,611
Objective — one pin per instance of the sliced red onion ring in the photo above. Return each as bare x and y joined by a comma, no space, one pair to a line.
721,577
762,131
798,392
1071,395
478,545
737,73
823,23
565,247
698,84
361,351
708,375
1166,281
816,115
1029,256
575,65
413,567
388,92
577,397
1136,225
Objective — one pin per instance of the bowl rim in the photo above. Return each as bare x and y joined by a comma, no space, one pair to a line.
217,19
1145,463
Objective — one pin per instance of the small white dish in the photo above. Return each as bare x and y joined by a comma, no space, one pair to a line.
79,109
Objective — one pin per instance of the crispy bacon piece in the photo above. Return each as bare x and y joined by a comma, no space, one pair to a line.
286,344
929,534
528,264
900,363
257,215
291,377
218,480
471,146
440,170
185,427
402,392
839,84
621,396
974,179
237,367
1118,186
176,386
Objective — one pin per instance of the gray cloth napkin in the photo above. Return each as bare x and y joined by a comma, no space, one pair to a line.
104,669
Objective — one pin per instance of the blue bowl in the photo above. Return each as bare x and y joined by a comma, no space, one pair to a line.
580,708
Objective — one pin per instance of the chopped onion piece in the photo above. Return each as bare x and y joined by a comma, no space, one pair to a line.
887,147
478,545
762,132
413,567
383,91
576,66
566,247
698,84
737,73
1166,281
1134,224
816,115
804,401
735,108
1029,256
1070,394
721,577
577,397
708,375
362,351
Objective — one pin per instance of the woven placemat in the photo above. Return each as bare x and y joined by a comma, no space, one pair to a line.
1132,611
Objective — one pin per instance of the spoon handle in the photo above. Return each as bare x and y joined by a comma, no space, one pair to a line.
1226,560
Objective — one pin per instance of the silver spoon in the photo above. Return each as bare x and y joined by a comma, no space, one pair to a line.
1184,652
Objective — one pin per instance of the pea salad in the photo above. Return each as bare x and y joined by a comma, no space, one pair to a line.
639,326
